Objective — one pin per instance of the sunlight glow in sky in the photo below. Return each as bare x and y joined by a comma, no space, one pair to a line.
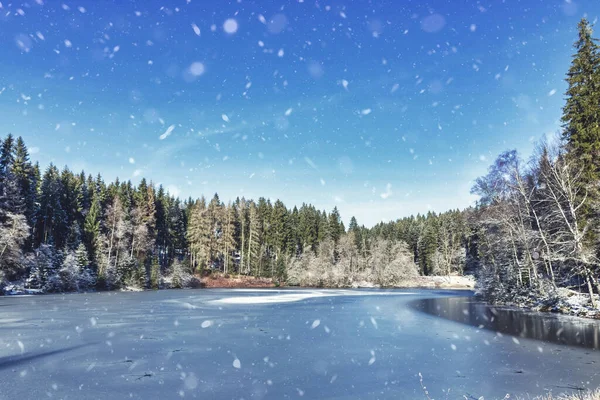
383,108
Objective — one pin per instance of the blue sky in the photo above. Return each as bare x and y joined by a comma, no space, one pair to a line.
383,108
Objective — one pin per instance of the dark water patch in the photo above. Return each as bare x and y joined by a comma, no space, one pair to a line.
539,326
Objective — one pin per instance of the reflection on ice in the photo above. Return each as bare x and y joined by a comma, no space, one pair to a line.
520,324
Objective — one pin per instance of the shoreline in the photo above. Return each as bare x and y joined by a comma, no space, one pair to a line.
559,301
420,282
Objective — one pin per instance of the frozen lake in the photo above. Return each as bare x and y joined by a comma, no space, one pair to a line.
276,344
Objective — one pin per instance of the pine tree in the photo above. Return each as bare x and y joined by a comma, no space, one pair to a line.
353,226
177,229
52,224
254,234
198,232
81,254
581,113
295,242
162,227
11,199
322,227
335,225
229,237
242,207
26,181
155,276
280,229
7,156
427,245
214,230
91,230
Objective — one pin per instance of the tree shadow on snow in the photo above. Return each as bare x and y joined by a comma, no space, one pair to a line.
13,361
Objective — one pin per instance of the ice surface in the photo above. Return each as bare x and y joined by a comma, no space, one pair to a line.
199,344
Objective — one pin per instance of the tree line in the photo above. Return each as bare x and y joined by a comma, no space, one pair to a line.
60,231
65,231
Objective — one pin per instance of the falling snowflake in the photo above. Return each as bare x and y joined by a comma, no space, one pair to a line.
372,359
230,26
196,68
167,132
206,324
196,29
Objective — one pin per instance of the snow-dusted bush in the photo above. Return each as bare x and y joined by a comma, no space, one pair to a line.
3,282
54,284
42,265
299,270
87,278
53,271
386,263
392,262
112,278
69,273
181,277
13,233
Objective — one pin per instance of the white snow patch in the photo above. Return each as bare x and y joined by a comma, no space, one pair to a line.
288,296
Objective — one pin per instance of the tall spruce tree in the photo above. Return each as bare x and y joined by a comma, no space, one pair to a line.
581,113
24,175
92,230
